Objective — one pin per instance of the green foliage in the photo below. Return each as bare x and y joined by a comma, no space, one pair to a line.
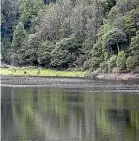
65,29
114,14
87,46
6,49
69,33
66,52
112,62
121,61
29,9
134,48
130,22
19,36
93,63
33,71
44,53
130,63
104,67
97,49
31,47
108,4
9,18
18,39
114,41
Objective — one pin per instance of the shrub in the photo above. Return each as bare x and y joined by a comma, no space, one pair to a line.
121,61
44,56
134,48
104,67
112,62
65,53
93,63
130,63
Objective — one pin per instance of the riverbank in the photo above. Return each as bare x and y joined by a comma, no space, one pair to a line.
32,71
71,83
48,73
117,76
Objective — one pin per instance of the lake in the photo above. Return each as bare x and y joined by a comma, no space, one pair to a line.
107,111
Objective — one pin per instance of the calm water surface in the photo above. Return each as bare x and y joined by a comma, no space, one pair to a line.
45,114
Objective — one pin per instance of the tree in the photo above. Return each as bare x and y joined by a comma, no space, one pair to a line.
9,15
9,18
6,50
65,29
29,10
18,39
71,33
108,4
130,23
121,61
112,62
97,49
130,63
134,48
65,53
31,49
55,21
44,53
115,41
125,6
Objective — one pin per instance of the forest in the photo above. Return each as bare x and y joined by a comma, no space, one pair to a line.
94,35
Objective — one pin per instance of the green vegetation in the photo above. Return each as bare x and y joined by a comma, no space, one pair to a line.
61,34
130,63
25,71
36,106
121,61
112,62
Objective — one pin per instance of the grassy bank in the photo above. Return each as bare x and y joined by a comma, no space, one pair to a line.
24,71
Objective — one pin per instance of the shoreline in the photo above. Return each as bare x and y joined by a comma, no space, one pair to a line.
117,76
72,84
48,73
62,80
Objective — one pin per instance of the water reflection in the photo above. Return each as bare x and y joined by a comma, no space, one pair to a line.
39,114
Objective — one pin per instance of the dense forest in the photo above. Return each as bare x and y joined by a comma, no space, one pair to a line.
95,35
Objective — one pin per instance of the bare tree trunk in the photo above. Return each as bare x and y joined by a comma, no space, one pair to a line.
118,48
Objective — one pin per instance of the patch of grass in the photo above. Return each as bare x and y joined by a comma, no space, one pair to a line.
30,71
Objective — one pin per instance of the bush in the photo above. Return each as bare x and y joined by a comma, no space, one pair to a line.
121,61
112,62
65,53
93,63
86,65
44,53
130,63
104,67
134,48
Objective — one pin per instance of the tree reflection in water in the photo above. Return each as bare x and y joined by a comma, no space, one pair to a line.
46,114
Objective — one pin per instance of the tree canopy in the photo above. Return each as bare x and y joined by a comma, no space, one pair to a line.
71,33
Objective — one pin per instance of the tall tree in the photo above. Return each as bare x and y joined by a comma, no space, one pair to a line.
18,39
29,10
9,18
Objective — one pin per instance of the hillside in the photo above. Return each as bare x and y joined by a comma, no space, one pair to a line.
95,35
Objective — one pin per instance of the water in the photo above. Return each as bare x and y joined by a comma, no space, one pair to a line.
104,113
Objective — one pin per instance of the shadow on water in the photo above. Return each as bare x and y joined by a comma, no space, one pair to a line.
45,114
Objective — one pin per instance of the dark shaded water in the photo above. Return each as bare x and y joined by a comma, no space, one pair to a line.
44,114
